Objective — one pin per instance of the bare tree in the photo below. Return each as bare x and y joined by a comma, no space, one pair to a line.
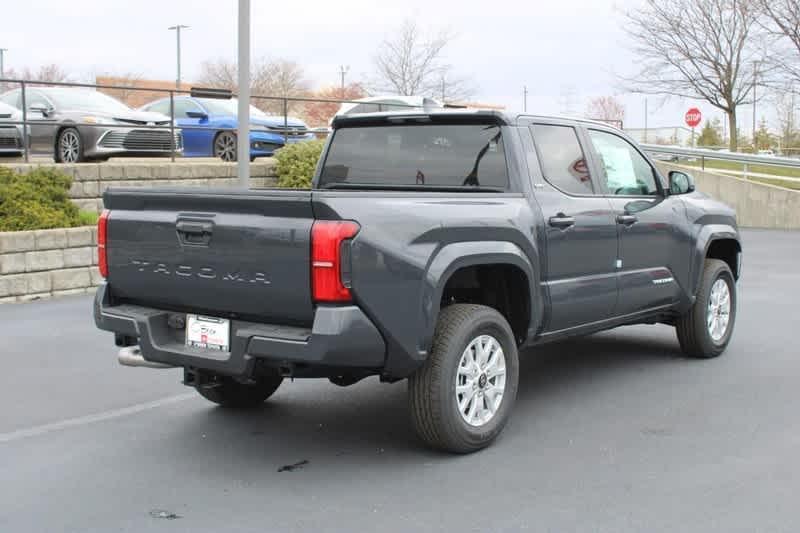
606,108
703,49
45,73
126,80
410,63
453,88
785,103
781,20
276,78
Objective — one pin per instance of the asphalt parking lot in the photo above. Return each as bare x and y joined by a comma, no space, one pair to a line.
615,432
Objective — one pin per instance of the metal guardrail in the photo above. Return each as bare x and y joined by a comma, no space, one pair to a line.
26,122
746,160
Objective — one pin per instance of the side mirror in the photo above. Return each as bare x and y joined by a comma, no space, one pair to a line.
680,182
197,114
40,108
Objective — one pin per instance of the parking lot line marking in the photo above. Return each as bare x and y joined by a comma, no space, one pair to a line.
91,419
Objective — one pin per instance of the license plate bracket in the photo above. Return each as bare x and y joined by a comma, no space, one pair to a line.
208,332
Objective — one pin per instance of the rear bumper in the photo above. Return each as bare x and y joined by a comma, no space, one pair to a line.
340,337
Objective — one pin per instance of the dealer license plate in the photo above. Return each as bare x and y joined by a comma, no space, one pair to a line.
208,332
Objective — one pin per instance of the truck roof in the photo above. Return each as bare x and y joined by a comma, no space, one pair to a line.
499,117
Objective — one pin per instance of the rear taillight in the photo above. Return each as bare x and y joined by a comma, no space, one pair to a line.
326,259
102,239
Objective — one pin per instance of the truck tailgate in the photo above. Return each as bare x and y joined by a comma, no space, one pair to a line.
224,253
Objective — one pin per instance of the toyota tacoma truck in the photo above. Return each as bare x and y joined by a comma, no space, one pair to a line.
432,247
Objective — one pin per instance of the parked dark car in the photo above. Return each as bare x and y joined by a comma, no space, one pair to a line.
11,138
433,247
208,126
81,124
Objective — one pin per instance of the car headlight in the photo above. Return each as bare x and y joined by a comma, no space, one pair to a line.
95,120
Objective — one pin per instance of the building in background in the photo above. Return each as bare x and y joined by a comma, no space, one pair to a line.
151,89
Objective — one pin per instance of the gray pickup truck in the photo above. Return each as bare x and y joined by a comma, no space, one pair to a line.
431,246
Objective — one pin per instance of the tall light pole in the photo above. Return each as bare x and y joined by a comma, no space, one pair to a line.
755,84
524,98
243,111
2,68
343,70
178,28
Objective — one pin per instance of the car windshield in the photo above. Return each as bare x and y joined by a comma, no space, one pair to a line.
451,155
85,100
227,107
7,110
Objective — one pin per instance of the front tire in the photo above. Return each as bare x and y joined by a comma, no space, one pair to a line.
225,146
462,397
69,146
228,392
705,330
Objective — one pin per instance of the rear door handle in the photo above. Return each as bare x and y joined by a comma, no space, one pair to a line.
626,219
562,221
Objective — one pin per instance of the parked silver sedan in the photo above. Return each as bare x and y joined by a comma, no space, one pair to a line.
11,138
82,124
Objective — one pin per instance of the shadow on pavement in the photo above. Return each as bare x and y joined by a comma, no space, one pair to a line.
366,424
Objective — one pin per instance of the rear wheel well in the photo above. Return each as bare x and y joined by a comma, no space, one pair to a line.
726,250
503,287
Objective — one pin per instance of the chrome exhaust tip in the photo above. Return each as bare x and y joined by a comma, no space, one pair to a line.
132,356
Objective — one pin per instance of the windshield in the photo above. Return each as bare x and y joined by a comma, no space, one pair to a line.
461,155
227,107
85,100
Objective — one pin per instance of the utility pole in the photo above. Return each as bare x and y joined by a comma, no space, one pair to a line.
243,128
178,28
2,67
525,98
342,71
755,84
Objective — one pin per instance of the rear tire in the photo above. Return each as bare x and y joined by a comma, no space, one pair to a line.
228,392
701,332
225,146
453,397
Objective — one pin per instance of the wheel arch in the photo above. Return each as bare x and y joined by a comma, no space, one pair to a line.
716,241
454,259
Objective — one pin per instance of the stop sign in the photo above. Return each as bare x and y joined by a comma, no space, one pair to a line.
693,117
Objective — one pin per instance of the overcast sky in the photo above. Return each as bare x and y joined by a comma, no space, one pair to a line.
565,51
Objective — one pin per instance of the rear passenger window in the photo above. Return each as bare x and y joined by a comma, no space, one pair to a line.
562,159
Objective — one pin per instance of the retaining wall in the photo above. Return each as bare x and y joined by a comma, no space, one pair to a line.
90,180
757,205
43,263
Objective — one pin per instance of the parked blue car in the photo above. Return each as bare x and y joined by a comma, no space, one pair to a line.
266,131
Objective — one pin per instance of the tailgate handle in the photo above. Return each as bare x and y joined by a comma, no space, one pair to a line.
191,232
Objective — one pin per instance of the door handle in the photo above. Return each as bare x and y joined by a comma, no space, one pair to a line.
194,232
626,219
562,221
194,228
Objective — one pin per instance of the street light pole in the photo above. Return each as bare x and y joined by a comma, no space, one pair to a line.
2,68
525,98
178,28
243,129
755,84
342,71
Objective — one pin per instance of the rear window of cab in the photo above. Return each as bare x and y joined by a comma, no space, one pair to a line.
416,155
